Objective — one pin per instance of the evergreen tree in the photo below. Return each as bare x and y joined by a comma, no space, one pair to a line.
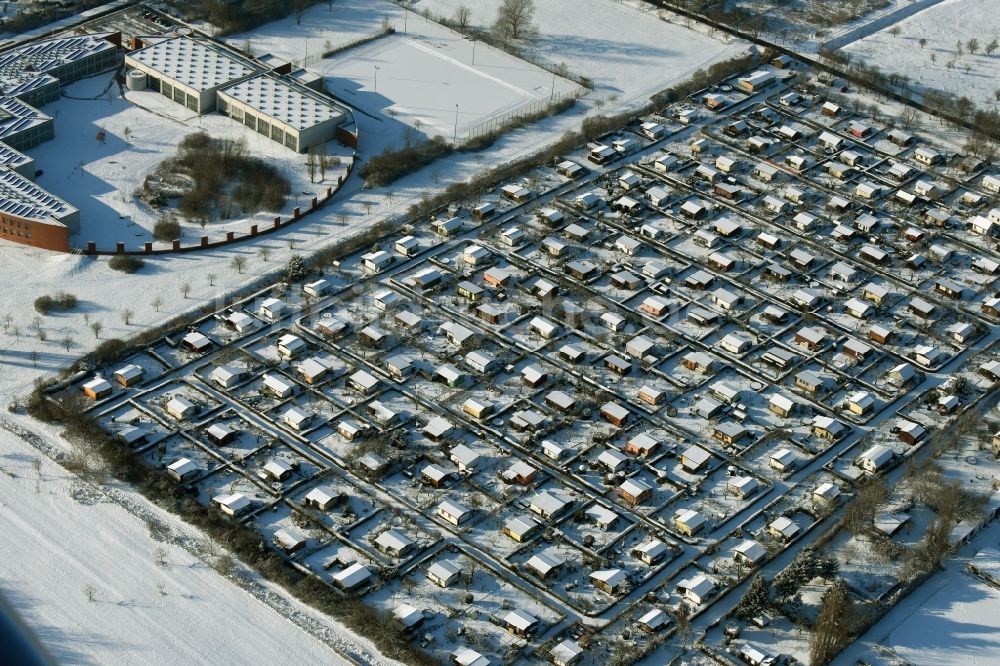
295,271
755,600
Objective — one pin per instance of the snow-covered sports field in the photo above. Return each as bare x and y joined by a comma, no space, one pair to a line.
435,84
935,62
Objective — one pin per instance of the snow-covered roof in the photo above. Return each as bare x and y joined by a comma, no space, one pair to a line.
453,508
635,487
690,518
654,619
182,467
520,619
543,563
464,656
696,455
751,550
548,503
352,576
235,502
27,67
289,104
198,64
521,525
566,651
393,540
784,526
610,577
21,198
698,586
443,570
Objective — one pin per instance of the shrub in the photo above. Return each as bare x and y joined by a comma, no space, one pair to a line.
392,165
61,302
166,229
125,263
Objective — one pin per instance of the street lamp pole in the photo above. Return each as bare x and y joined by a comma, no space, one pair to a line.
375,86
474,51
454,138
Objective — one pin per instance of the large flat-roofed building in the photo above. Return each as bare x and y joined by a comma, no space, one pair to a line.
22,125
190,71
34,72
287,112
31,216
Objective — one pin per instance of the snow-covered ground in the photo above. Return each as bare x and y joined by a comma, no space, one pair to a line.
937,64
950,619
627,51
67,542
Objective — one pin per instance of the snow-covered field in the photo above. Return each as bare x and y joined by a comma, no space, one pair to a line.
950,619
937,64
64,538
433,83
962,611
628,52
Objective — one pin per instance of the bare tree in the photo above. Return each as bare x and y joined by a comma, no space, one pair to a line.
860,513
462,17
299,8
67,342
239,262
126,316
157,303
514,20
990,48
311,164
972,45
835,624
185,289
211,279
96,327
264,253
